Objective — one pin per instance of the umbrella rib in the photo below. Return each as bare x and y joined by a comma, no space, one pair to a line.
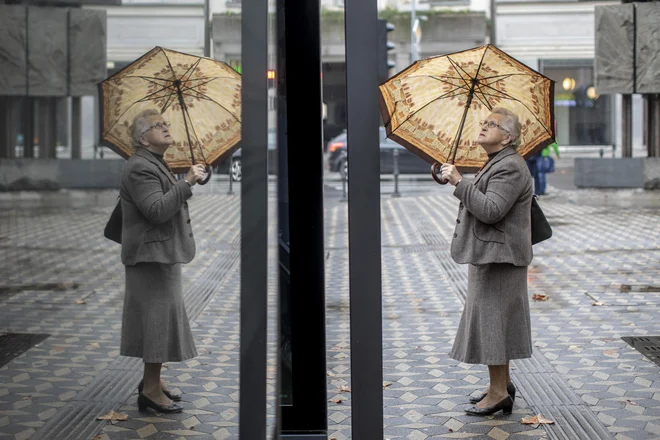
161,85
432,76
488,105
129,107
169,64
192,126
208,98
437,78
148,78
190,70
119,118
150,96
185,89
167,103
453,63
446,95
506,75
525,105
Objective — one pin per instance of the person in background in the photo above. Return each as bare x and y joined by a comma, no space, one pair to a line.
544,164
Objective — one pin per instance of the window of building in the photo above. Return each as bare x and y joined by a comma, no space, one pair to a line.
583,117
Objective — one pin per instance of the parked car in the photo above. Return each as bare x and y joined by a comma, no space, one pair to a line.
235,167
409,163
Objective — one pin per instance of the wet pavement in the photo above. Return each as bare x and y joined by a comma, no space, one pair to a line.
599,274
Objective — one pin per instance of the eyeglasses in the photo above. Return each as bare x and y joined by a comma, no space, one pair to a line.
492,124
158,125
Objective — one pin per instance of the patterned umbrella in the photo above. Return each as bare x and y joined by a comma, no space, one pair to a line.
200,97
433,108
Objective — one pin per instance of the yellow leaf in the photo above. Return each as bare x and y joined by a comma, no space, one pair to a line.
81,301
112,415
386,384
536,420
540,297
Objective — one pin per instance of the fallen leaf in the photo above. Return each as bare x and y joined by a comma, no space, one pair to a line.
597,303
112,415
386,384
337,401
451,430
344,389
536,420
81,301
94,345
610,352
331,374
630,402
97,437
540,297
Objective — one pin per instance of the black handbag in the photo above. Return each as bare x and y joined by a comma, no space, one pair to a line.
112,229
541,229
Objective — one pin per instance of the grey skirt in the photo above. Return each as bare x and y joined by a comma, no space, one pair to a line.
155,325
496,324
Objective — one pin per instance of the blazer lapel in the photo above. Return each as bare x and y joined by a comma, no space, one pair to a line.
150,157
507,152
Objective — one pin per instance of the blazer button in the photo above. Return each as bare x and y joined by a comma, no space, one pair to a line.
458,221
455,235
460,206
188,221
191,235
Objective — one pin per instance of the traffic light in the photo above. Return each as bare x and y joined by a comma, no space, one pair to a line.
384,47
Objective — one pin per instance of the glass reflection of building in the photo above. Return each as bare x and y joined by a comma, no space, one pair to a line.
583,117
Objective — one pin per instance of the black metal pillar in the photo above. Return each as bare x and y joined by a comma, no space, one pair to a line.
28,127
655,126
303,411
76,128
254,221
364,220
626,126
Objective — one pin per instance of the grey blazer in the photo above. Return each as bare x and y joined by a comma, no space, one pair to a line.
156,223
494,219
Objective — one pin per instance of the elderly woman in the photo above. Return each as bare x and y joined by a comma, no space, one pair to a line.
156,239
493,235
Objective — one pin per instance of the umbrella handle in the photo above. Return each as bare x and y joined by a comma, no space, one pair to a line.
209,172
440,180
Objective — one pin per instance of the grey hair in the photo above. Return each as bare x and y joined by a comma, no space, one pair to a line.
511,124
140,124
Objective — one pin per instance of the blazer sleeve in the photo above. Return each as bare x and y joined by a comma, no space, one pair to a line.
146,191
501,193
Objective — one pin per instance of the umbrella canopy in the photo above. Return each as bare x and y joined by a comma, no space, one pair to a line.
200,97
433,108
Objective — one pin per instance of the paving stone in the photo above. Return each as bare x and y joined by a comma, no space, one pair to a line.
595,250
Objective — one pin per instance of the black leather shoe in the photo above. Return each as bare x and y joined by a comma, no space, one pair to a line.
506,405
511,389
144,402
171,396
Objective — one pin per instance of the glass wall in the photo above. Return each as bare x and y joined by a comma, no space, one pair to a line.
583,117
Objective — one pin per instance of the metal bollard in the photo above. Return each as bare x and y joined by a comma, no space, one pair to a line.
344,198
231,181
395,154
